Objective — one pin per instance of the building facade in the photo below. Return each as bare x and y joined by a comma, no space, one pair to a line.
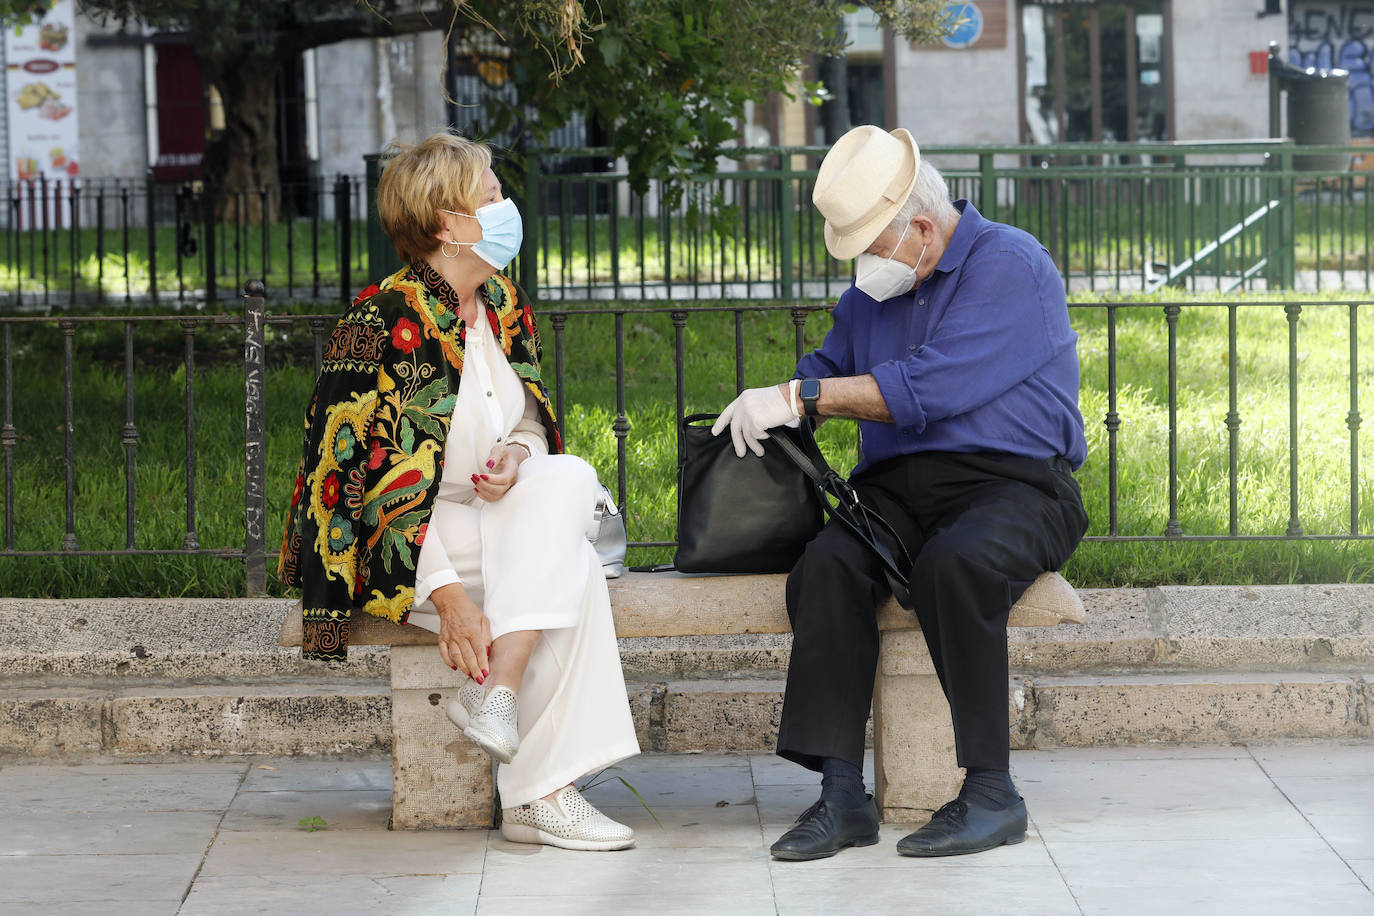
1014,71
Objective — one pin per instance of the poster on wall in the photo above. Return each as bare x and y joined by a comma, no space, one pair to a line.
40,92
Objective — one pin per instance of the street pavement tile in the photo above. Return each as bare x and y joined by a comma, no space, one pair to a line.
685,905
1316,760
346,852
679,787
301,774
117,787
731,825
523,870
1136,752
1232,897
124,833
357,809
1329,794
690,760
71,879
1082,797
1022,890
883,854
1179,863
337,895
1351,835
781,805
95,908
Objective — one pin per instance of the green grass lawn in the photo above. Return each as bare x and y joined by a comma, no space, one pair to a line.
1261,358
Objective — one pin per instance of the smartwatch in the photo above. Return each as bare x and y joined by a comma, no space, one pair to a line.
810,393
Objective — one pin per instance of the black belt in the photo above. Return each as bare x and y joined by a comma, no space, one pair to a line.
1059,463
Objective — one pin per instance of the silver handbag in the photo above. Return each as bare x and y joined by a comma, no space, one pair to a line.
607,534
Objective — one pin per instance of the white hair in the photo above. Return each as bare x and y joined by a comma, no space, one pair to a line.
928,197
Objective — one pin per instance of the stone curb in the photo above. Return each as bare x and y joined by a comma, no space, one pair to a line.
340,716
1326,628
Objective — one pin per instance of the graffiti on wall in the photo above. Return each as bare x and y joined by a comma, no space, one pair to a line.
1334,34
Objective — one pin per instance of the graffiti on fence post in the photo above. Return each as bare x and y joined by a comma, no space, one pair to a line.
254,448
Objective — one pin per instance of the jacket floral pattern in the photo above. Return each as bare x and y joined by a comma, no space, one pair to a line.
373,452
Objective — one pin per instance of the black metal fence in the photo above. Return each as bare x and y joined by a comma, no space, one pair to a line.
1287,444
89,241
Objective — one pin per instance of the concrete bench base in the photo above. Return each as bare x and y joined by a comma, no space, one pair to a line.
441,780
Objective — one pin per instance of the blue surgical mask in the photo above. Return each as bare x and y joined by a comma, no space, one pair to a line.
502,232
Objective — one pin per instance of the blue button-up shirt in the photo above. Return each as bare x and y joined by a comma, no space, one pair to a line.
978,358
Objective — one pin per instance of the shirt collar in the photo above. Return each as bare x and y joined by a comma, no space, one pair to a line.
962,239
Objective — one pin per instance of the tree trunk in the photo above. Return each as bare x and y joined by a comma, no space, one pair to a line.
241,161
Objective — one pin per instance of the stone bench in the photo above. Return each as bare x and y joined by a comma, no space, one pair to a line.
440,779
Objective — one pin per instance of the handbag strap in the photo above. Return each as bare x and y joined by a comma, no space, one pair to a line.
848,508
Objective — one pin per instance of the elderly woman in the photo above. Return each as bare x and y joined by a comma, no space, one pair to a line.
432,493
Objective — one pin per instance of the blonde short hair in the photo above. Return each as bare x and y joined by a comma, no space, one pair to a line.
443,171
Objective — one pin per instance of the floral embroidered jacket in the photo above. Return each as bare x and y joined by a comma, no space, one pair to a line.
374,445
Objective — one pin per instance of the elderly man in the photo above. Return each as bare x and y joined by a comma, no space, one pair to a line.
953,351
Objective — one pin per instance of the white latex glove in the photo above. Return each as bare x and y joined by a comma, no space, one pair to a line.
752,414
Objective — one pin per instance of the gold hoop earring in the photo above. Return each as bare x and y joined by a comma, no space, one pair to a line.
443,249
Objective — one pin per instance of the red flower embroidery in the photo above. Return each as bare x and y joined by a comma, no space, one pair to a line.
296,493
420,535
368,293
406,335
375,456
330,495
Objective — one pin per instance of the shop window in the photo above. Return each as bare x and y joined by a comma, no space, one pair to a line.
1094,71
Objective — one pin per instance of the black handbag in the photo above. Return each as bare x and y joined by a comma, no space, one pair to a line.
757,515
740,515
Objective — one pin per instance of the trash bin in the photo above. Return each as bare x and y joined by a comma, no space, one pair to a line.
1319,115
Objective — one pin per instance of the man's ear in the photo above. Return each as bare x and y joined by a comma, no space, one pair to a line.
923,229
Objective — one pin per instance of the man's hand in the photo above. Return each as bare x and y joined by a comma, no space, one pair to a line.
464,631
752,414
502,469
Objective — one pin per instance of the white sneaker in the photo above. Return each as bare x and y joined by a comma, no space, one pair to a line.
470,697
490,722
568,821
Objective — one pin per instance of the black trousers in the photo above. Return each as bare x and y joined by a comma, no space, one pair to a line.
980,528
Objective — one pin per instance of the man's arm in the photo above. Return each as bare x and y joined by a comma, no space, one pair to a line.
854,397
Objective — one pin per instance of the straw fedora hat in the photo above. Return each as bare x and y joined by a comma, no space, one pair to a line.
862,183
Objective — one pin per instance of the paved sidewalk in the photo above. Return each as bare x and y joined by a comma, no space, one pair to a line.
1255,830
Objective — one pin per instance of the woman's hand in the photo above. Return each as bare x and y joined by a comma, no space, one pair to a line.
502,469
464,631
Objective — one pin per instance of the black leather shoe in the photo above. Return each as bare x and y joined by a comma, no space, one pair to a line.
961,827
823,830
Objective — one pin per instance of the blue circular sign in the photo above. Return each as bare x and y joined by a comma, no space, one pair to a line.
966,21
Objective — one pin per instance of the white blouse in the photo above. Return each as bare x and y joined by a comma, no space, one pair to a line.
493,407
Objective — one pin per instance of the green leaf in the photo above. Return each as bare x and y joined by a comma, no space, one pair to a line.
407,436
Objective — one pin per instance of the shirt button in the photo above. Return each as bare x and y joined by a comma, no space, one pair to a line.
488,394
920,302
912,347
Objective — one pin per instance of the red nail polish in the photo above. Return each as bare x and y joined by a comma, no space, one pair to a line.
484,672
491,464
484,476
455,667
479,679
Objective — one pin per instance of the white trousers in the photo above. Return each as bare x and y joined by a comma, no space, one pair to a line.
526,561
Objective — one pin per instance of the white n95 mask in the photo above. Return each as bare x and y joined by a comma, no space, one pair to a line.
882,278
